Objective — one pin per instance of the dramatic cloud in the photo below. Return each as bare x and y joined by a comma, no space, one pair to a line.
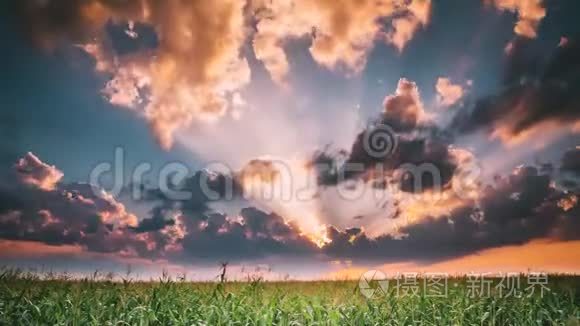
404,110
569,203
72,214
401,143
192,228
290,189
530,14
571,161
405,26
540,94
259,171
342,32
462,215
569,176
178,229
402,188
187,77
147,48
448,94
34,172
517,209
252,234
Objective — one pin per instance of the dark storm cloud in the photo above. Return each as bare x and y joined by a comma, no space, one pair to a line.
569,170
158,221
415,141
50,22
514,210
518,208
36,206
537,90
429,149
201,189
209,235
571,161
253,234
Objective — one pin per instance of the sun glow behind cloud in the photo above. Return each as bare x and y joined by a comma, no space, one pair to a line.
536,256
288,188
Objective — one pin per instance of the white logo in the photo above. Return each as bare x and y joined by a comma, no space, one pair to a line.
380,141
368,283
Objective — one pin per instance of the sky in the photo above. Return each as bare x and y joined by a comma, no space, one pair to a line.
291,138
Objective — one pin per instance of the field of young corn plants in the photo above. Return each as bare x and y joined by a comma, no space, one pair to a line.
27,299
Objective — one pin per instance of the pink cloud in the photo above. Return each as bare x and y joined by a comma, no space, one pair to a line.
33,171
530,14
448,93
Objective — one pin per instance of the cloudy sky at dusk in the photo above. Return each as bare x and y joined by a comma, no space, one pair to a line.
270,117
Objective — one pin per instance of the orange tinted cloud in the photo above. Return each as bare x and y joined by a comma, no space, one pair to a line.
27,249
448,93
342,31
23,250
530,103
259,171
556,257
535,256
405,27
197,66
406,104
550,130
568,203
32,171
186,79
117,214
530,14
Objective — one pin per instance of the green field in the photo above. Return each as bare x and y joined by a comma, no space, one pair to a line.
26,299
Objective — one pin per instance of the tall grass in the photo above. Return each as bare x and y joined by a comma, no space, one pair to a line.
28,299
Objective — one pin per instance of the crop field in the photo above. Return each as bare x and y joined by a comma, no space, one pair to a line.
31,300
